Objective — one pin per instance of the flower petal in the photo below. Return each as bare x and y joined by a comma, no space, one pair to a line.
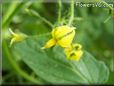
76,56
61,31
67,40
49,44
12,41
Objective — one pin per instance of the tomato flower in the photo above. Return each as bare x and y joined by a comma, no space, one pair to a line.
16,37
62,35
74,52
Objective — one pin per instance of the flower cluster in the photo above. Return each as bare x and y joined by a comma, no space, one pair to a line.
63,36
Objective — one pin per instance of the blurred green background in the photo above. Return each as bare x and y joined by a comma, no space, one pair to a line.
95,35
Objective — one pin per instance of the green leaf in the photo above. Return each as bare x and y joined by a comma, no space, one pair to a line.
52,65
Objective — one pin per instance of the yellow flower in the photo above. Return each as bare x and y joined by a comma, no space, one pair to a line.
74,52
62,35
16,37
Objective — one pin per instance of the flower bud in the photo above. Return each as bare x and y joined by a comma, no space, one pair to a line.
16,37
62,35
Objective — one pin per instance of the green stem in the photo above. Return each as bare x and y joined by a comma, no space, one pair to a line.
59,11
71,13
14,7
16,67
34,13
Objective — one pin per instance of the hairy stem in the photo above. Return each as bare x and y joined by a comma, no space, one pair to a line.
34,13
71,13
59,11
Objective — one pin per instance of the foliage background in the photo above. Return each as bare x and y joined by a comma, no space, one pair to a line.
95,35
